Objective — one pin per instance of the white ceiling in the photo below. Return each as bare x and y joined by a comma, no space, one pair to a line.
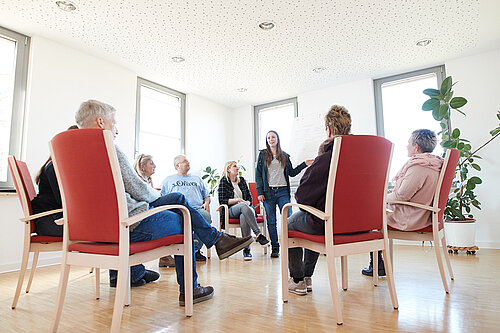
225,50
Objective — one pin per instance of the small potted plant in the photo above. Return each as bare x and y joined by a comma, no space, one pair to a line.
460,223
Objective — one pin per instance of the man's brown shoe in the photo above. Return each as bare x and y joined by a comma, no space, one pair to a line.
200,294
228,245
167,261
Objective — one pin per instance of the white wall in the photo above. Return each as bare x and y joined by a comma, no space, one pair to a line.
242,140
477,80
60,78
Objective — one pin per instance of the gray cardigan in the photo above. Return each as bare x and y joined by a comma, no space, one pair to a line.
139,194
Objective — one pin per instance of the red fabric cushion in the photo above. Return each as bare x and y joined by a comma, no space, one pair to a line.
260,219
45,239
112,248
426,229
234,221
339,238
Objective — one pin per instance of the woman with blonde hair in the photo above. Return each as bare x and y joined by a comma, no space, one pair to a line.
145,167
234,192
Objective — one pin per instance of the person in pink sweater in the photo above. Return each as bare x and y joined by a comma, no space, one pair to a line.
415,182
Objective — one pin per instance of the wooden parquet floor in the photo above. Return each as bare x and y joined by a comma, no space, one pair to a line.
248,299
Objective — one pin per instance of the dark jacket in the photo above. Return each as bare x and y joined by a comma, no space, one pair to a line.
312,187
261,174
49,196
226,192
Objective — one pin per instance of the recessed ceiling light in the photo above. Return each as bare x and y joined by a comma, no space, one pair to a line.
178,59
424,42
67,6
266,25
242,89
318,69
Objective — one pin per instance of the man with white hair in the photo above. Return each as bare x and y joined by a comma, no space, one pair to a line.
141,197
195,191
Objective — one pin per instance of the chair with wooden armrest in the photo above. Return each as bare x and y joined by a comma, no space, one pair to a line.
234,223
354,216
434,232
96,221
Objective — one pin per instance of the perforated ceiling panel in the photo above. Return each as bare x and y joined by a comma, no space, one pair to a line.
225,49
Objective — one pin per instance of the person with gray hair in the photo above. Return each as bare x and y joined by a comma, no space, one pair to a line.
195,191
141,197
415,182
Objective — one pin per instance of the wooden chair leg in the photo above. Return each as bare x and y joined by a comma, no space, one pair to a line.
332,274
97,282
32,270
447,258
390,278
128,295
343,264
440,264
375,268
284,263
20,280
61,293
121,291
209,252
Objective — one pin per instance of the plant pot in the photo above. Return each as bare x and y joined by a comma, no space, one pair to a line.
460,233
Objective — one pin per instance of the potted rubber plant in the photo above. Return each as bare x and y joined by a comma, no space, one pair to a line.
460,224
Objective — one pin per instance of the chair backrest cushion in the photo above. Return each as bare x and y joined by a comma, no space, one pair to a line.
85,177
255,198
447,174
24,186
360,183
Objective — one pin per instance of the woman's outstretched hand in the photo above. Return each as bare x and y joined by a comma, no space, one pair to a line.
261,197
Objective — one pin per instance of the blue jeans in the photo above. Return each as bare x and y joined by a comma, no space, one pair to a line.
208,218
301,262
168,223
278,197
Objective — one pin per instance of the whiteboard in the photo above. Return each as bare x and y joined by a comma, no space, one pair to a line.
307,134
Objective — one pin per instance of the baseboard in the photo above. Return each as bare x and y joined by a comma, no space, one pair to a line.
12,267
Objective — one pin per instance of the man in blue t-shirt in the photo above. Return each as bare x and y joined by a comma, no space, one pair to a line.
194,190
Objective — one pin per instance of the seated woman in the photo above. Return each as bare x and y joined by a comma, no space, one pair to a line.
234,192
48,198
415,182
145,168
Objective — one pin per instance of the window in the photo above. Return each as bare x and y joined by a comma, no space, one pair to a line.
398,104
159,126
277,116
14,49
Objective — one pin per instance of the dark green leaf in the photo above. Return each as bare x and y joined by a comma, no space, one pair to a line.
457,102
495,131
448,97
476,180
447,144
475,166
460,145
467,209
444,110
431,92
467,147
204,177
460,112
431,104
435,115
456,133
446,86
470,186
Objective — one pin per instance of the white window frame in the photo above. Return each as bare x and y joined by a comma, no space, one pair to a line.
19,99
145,83
258,108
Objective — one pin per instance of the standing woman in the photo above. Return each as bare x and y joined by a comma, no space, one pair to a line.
272,176
234,192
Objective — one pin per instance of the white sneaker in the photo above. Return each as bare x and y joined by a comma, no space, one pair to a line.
297,288
309,283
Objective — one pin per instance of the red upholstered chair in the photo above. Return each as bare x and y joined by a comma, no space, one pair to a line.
355,220
434,232
96,221
32,242
235,223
